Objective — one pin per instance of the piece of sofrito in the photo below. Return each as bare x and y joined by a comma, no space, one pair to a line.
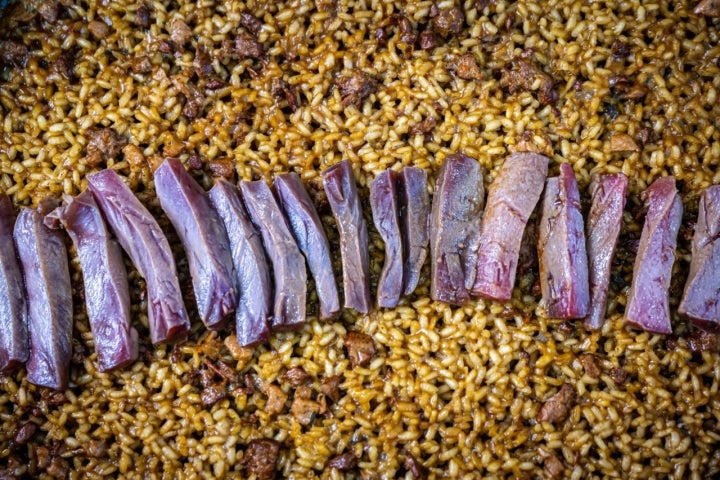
44,262
384,206
107,297
145,243
608,194
454,228
648,305
414,204
287,261
561,249
310,236
341,191
512,197
701,297
251,266
204,239
14,347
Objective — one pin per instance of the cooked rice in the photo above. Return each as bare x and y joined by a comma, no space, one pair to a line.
456,389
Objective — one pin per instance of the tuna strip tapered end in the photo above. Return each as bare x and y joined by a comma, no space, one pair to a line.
414,204
107,297
204,239
383,202
145,243
287,261
648,305
603,229
561,249
308,231
251,266
701,296
342,196
512,197
44,261
454,228
14,346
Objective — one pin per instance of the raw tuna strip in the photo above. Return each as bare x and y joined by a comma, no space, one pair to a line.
512,197
307,228
384,206
648,304
561,249
287,261
701,298
454,228
251,267
603,229
204,239
414,201
14,347
145,243
107,297
44,262
342,196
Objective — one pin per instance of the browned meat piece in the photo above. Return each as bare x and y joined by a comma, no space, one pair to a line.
648,304
98,29
13,53
590,365
261,457
466,67
621,142
553,466
141,64
248,47
194,97
14,346
561,249
448,21
620,49
95,448
523,74
428,40
103,144
425,127
48,10
142,16
417,469
709,8
344,462
618,375
455,228
276,398
405,29
557,408
296,376
222,168
304,410
355,87
24,433
65,64
331,387
250,23
284,92
58,468
361,348
180,33
202,62
133,155
701,341
213,394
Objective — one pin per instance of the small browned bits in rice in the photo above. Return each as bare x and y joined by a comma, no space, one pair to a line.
260,88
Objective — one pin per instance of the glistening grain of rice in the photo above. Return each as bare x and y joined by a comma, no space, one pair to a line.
451,391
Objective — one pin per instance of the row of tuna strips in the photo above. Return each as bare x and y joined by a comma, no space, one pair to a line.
474,252
229,235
